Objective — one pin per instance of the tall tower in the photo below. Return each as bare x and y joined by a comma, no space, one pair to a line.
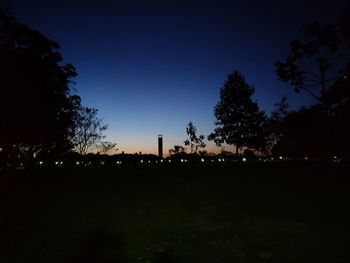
160,146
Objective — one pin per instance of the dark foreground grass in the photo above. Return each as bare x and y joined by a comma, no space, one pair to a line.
242,214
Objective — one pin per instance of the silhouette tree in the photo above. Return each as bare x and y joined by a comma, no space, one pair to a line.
239,120
178,149
307,66
321,130
275,124
107,147
195,142
88,130
36,106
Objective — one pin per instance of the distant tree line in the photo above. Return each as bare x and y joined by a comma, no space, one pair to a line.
40,117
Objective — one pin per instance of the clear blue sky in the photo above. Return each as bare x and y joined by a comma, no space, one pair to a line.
150,67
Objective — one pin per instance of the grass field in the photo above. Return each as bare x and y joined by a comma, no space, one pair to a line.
237,214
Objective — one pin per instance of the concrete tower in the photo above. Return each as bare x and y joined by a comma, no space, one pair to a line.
160,146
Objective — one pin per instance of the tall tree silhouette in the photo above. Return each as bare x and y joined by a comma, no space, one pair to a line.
239,120
195,142
36,106
307,66
88,130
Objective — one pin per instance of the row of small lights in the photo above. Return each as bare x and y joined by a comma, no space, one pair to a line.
60,163
181,160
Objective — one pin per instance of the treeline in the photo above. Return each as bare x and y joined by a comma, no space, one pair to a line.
41,118
317,64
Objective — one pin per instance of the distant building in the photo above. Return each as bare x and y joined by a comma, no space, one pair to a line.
160,146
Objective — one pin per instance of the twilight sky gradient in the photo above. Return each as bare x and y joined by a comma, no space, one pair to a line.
150,67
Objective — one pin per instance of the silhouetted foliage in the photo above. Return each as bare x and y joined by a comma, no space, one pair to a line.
275,126
320,131
304,136
203,153
36,106
178,149
239,120
308,65
88,130
336,106
195,142
249,155
107,147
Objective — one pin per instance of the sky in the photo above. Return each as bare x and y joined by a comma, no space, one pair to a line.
150,67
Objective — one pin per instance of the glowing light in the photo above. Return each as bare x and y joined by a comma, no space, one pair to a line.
77,163
141,161
41,162
182,160
202,160
219,160
281,158
244,159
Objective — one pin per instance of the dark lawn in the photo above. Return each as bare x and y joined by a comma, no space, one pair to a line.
242,214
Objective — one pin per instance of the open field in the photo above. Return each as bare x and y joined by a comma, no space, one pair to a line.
242,214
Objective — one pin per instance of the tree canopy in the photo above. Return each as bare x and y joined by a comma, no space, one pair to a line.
321,130
308,64
36,106
239,120
88,131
